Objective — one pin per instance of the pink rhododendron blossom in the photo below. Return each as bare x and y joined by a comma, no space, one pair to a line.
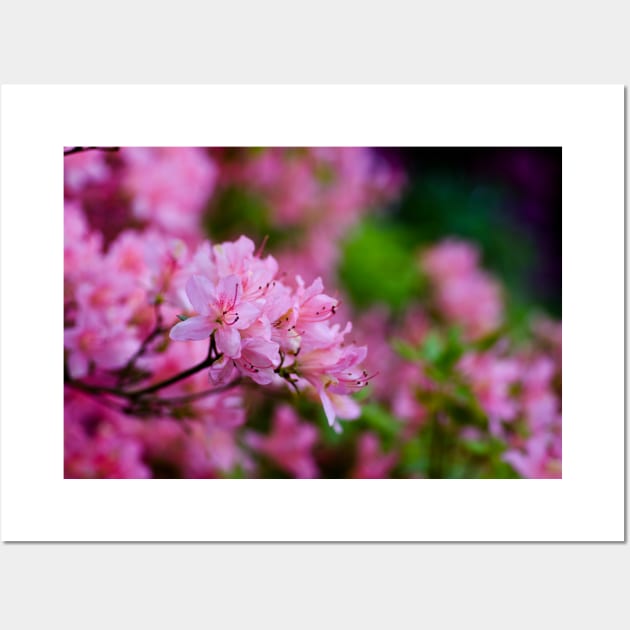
222,311
89,341
539,460
465,294
259,358
450,259
540,403
198,452
289,444
334,370
169,186
84,168
372,463
491,378
82,248
99,443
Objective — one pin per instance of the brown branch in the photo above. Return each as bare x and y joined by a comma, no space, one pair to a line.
213,355
83,149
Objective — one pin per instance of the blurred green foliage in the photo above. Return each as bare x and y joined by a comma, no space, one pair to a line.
378,266
237,210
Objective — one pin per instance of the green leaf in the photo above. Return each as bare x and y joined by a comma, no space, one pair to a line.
477,447
414,456
406,350
380,420
182,318
432,347
378,267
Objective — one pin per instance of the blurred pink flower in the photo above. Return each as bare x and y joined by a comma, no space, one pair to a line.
289,444
81,169
539,401
169,186
451,258
491,378
99,443
372,463
538,460
464,294
88,341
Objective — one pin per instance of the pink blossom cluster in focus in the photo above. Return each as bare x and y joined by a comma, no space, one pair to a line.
271,332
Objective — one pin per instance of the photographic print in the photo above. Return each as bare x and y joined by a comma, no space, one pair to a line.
347,313
312,312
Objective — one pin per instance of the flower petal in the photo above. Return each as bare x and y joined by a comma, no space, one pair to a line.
222,371
193,329
248,313
329,410
345,406
77,364
229,341
200,292
229,291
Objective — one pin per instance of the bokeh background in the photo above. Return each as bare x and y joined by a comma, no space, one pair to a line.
446,260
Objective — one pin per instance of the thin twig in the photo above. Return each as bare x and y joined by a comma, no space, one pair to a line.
182,400
83,149
157,330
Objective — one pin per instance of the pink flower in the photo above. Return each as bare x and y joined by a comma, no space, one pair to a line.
81,169
491,378
464,294
372,463
170,186
451,258
406,381
289,444
334,371
312,304
222,311
99,443
540,403
89,341
541,458
193,451
82,247
473,301
259,359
